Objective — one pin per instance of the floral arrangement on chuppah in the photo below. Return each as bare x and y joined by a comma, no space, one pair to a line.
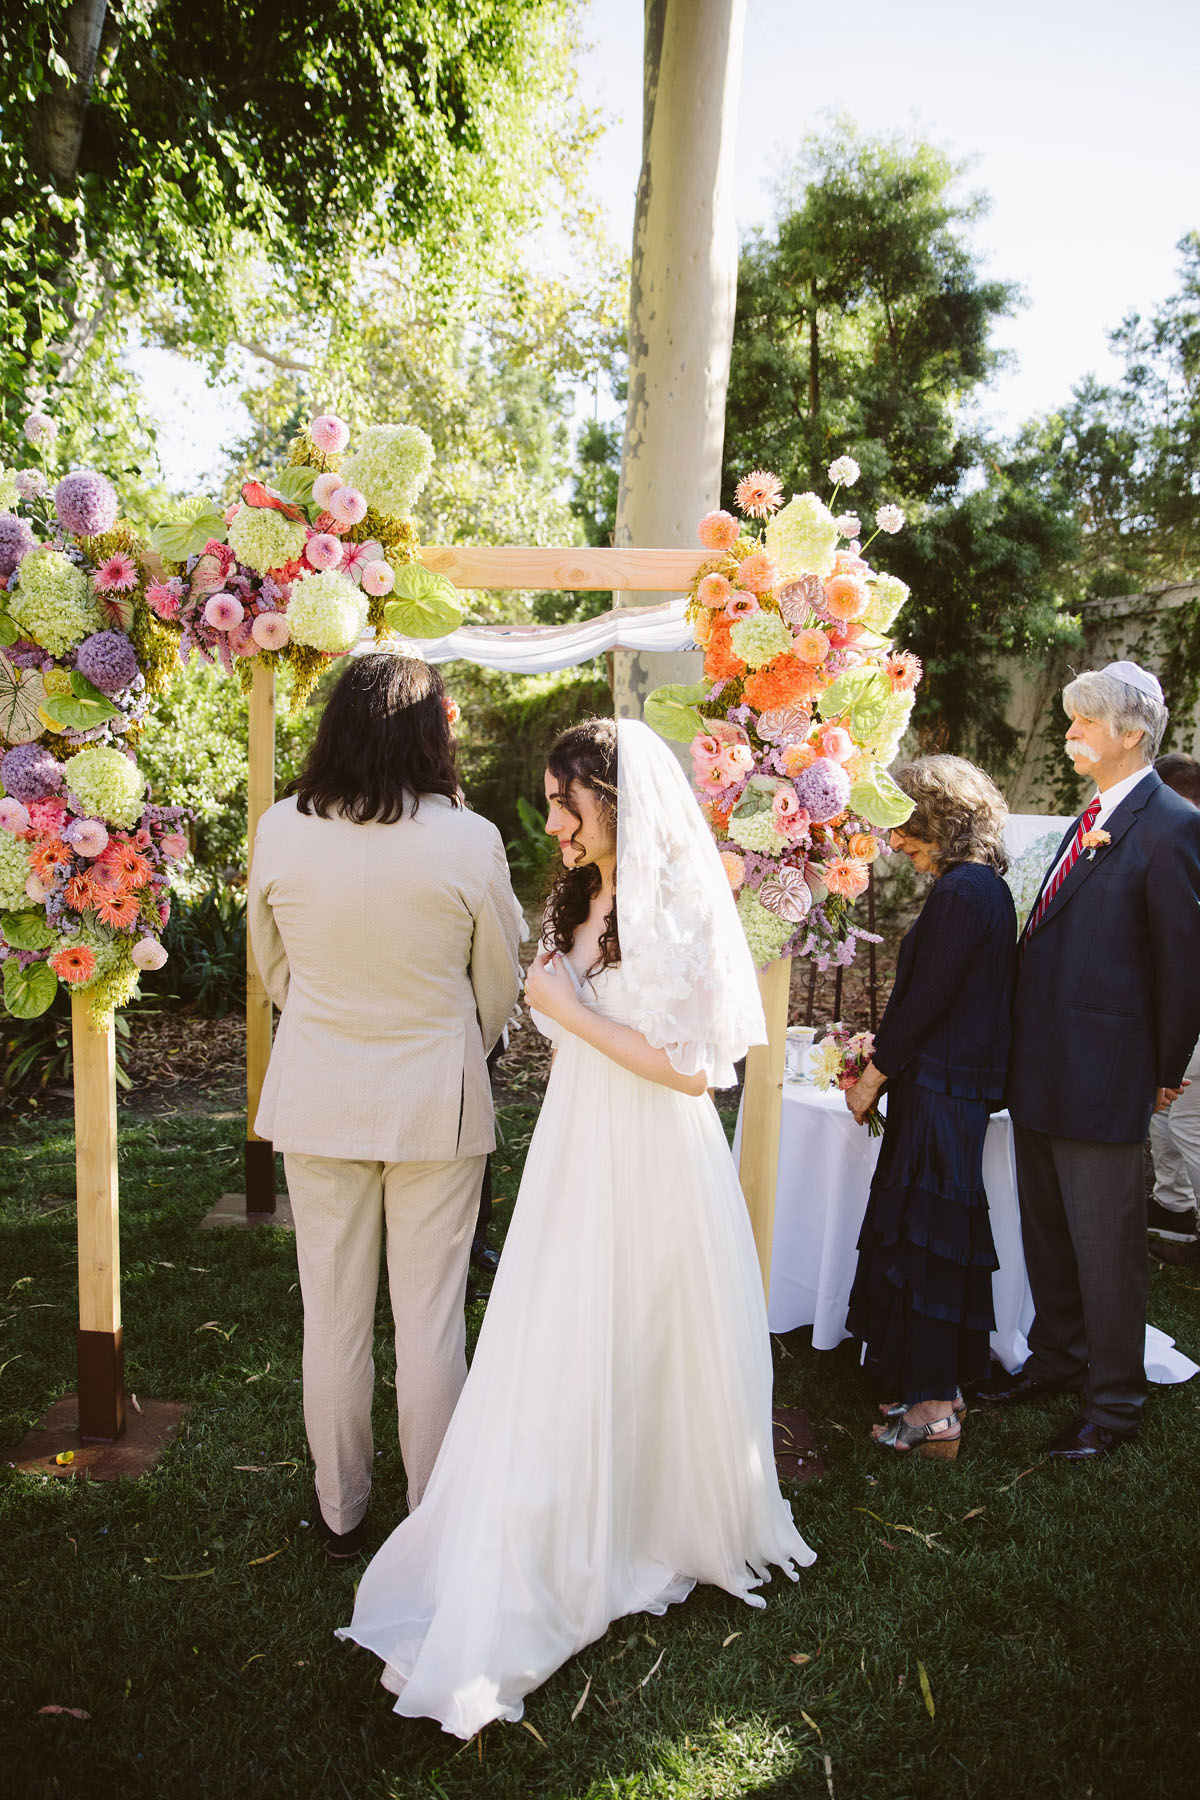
302,562
85,859
802,706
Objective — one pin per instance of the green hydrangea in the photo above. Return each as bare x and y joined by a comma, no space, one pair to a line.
107,784
756,831
263,539
53,603
760,638
884,742
888,594
390,465
326,612
8,489
765,934
14,872
802,537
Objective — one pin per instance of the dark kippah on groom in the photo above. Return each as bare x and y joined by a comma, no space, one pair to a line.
1106,1014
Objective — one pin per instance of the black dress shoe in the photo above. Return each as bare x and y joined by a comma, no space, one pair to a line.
1084,1441
483,1256
1173,1227
340,1546
1183,1253
1004,1389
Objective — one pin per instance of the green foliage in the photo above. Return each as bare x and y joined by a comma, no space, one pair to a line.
38,1052
205,941
532,851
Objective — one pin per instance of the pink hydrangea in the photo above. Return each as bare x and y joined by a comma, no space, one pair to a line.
378,578
329,433
718,531
323,550
348,505
271,631
47,816
223,612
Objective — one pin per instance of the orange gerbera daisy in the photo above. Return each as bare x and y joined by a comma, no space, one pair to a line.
124,868
80,892
118,910
74,964
44,859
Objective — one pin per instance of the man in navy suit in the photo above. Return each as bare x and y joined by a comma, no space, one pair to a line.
1105,1017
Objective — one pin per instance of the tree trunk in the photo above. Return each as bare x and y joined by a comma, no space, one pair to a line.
814,356
681,299
63,108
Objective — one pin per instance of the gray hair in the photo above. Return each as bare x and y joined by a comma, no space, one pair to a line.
958,809
1094,695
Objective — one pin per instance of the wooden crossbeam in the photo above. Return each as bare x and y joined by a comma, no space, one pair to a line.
564,566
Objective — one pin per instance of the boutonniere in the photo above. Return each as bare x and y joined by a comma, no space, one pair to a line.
1093,841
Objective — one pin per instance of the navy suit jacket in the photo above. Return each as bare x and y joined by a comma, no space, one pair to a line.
1107,1004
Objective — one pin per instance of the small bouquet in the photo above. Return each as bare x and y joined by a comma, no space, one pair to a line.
839,1061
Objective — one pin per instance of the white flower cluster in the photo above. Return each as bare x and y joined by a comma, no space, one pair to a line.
844,472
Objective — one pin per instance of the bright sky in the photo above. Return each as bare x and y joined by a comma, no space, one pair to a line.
1079,115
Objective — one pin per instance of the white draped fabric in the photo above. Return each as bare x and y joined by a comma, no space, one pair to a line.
539,649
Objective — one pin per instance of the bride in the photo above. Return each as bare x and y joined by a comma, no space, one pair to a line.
612,1445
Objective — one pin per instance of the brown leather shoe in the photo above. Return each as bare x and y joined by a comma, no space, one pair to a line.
1003,1389
1083,1441
1184,1255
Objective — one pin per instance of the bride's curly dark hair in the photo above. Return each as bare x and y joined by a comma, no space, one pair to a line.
585,753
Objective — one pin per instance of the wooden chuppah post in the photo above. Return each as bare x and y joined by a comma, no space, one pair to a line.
99,1342
762,1112
260,1155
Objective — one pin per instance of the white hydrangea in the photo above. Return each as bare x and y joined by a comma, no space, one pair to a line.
326,612
887,595
802,537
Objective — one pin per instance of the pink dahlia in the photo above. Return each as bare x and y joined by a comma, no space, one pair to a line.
37,889
846,597
718,531
117,576
758,573
323,550
148,953
87,837
329,433
271,631
348,506
812,646
223,612
14,814
378,578
758,494
714,591
325,487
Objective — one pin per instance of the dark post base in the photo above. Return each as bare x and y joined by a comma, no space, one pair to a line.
152,1425
101,1361
260,1176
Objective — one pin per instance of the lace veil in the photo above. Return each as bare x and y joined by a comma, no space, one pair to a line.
684,956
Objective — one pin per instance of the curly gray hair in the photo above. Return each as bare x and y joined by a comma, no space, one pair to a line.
1096,695
959,810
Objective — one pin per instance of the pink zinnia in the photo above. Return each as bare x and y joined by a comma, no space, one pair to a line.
117,576
741,606
271,631
323,550
714,591
75,964
378,578
325,487
758,494
162,600
223,612
329,433
718,531
836,743
758,573
348,506
903,671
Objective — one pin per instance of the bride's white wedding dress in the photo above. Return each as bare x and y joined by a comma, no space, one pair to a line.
612,1445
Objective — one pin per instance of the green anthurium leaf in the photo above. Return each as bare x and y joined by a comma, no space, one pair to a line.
294,482
29,992
188,529
861,695
876,798
82,708
26,930
423,605
672,710
9,631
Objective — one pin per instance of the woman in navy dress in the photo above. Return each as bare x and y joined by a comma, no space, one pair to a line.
922,1295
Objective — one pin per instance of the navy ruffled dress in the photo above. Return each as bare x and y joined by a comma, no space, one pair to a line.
922,1294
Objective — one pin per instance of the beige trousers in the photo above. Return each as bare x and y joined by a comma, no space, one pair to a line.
341,1208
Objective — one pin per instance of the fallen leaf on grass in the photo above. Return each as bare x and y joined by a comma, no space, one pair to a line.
799,1656
73,1544
582,1700
257,1377
812,1724
926,1690
1020,1477
68,1712
257,1657
249,1468
653,1671
198,1576
828,1761
842,1428
733,1634
536,1733
973,1514
926,1537
255,1560
64,1457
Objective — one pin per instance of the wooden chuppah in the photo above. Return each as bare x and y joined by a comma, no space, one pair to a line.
469,566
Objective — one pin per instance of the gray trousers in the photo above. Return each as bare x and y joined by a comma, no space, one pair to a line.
1083,1222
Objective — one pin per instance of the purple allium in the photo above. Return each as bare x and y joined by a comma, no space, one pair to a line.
25,654
30,773
15,539
86,503
823,790
108,660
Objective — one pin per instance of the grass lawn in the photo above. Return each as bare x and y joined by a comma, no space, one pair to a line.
994,1627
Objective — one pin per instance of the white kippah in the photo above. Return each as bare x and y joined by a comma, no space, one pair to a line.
1134,676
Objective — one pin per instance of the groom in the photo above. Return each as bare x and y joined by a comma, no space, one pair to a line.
1106,1013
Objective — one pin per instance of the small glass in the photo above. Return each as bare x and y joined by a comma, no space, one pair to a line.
799,1042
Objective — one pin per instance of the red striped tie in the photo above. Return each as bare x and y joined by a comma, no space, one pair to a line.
1065,866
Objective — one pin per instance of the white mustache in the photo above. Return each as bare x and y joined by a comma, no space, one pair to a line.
1077,747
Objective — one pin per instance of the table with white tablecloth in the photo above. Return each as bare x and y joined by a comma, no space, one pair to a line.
825,1166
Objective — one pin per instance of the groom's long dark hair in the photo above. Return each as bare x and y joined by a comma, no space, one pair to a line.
383,742
587,754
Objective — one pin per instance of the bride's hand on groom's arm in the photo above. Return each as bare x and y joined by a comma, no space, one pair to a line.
549,988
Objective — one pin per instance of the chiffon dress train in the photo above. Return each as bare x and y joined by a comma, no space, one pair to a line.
612,1446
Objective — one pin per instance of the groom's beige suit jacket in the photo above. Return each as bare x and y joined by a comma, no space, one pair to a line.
391,952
